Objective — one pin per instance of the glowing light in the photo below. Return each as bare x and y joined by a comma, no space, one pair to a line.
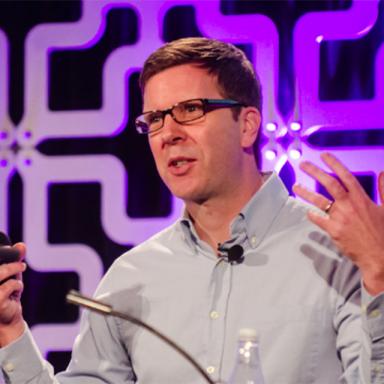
271,127
295,126
270,154
295,153
319,39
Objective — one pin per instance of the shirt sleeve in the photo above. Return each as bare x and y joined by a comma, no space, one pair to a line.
359,325
98,356
21,362
373,331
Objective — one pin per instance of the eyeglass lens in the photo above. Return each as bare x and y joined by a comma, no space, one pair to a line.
181,112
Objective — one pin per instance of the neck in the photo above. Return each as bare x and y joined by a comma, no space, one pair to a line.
212,218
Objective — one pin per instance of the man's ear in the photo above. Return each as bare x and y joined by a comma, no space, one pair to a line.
250,125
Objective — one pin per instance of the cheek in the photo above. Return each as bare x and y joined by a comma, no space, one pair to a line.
218,155
219,142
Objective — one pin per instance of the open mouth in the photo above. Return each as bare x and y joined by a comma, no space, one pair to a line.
177,163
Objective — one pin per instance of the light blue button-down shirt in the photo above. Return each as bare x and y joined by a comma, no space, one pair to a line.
303,298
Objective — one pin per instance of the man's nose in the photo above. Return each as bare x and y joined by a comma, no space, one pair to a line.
172,131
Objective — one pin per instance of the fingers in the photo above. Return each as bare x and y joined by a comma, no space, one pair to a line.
349,181
11,269
321,221
381,187
11,289
329,182
314,198
347,185
318,201
21,249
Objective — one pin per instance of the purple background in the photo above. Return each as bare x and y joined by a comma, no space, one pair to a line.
79,186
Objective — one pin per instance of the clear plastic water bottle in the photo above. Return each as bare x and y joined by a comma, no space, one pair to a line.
247,369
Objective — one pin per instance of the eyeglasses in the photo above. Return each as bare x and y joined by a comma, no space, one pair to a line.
183,112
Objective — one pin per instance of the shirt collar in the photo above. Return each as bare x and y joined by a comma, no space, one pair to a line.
188,229
255,218
260,212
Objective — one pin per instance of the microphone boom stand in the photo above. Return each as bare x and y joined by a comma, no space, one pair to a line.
80,300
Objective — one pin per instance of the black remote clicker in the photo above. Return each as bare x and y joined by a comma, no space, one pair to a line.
7,253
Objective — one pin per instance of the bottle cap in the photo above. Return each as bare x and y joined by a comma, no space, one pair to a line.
247,334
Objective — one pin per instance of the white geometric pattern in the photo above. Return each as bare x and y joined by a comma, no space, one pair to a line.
39,172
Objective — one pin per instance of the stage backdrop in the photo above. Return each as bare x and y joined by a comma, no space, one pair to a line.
79,186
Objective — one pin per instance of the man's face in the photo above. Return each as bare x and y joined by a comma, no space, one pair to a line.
203,159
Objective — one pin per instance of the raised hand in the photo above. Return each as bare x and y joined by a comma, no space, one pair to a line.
352,219
11,319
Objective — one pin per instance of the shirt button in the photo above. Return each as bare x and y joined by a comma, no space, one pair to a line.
376,368
375,313
210,369
214,315
9,367
253,240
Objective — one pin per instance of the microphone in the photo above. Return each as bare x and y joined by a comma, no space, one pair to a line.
76,298
4,239
234,254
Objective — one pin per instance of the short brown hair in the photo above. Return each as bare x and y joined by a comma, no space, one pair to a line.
236,77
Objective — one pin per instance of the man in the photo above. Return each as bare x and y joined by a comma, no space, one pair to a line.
318,313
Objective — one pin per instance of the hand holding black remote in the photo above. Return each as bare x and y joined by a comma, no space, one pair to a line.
7,253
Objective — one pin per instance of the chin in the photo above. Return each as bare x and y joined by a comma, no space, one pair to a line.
188,191
190,196
183,195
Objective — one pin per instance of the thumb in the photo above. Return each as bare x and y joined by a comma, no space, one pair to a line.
381,187
22,250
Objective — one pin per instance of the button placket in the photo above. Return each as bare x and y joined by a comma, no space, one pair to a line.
221,284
